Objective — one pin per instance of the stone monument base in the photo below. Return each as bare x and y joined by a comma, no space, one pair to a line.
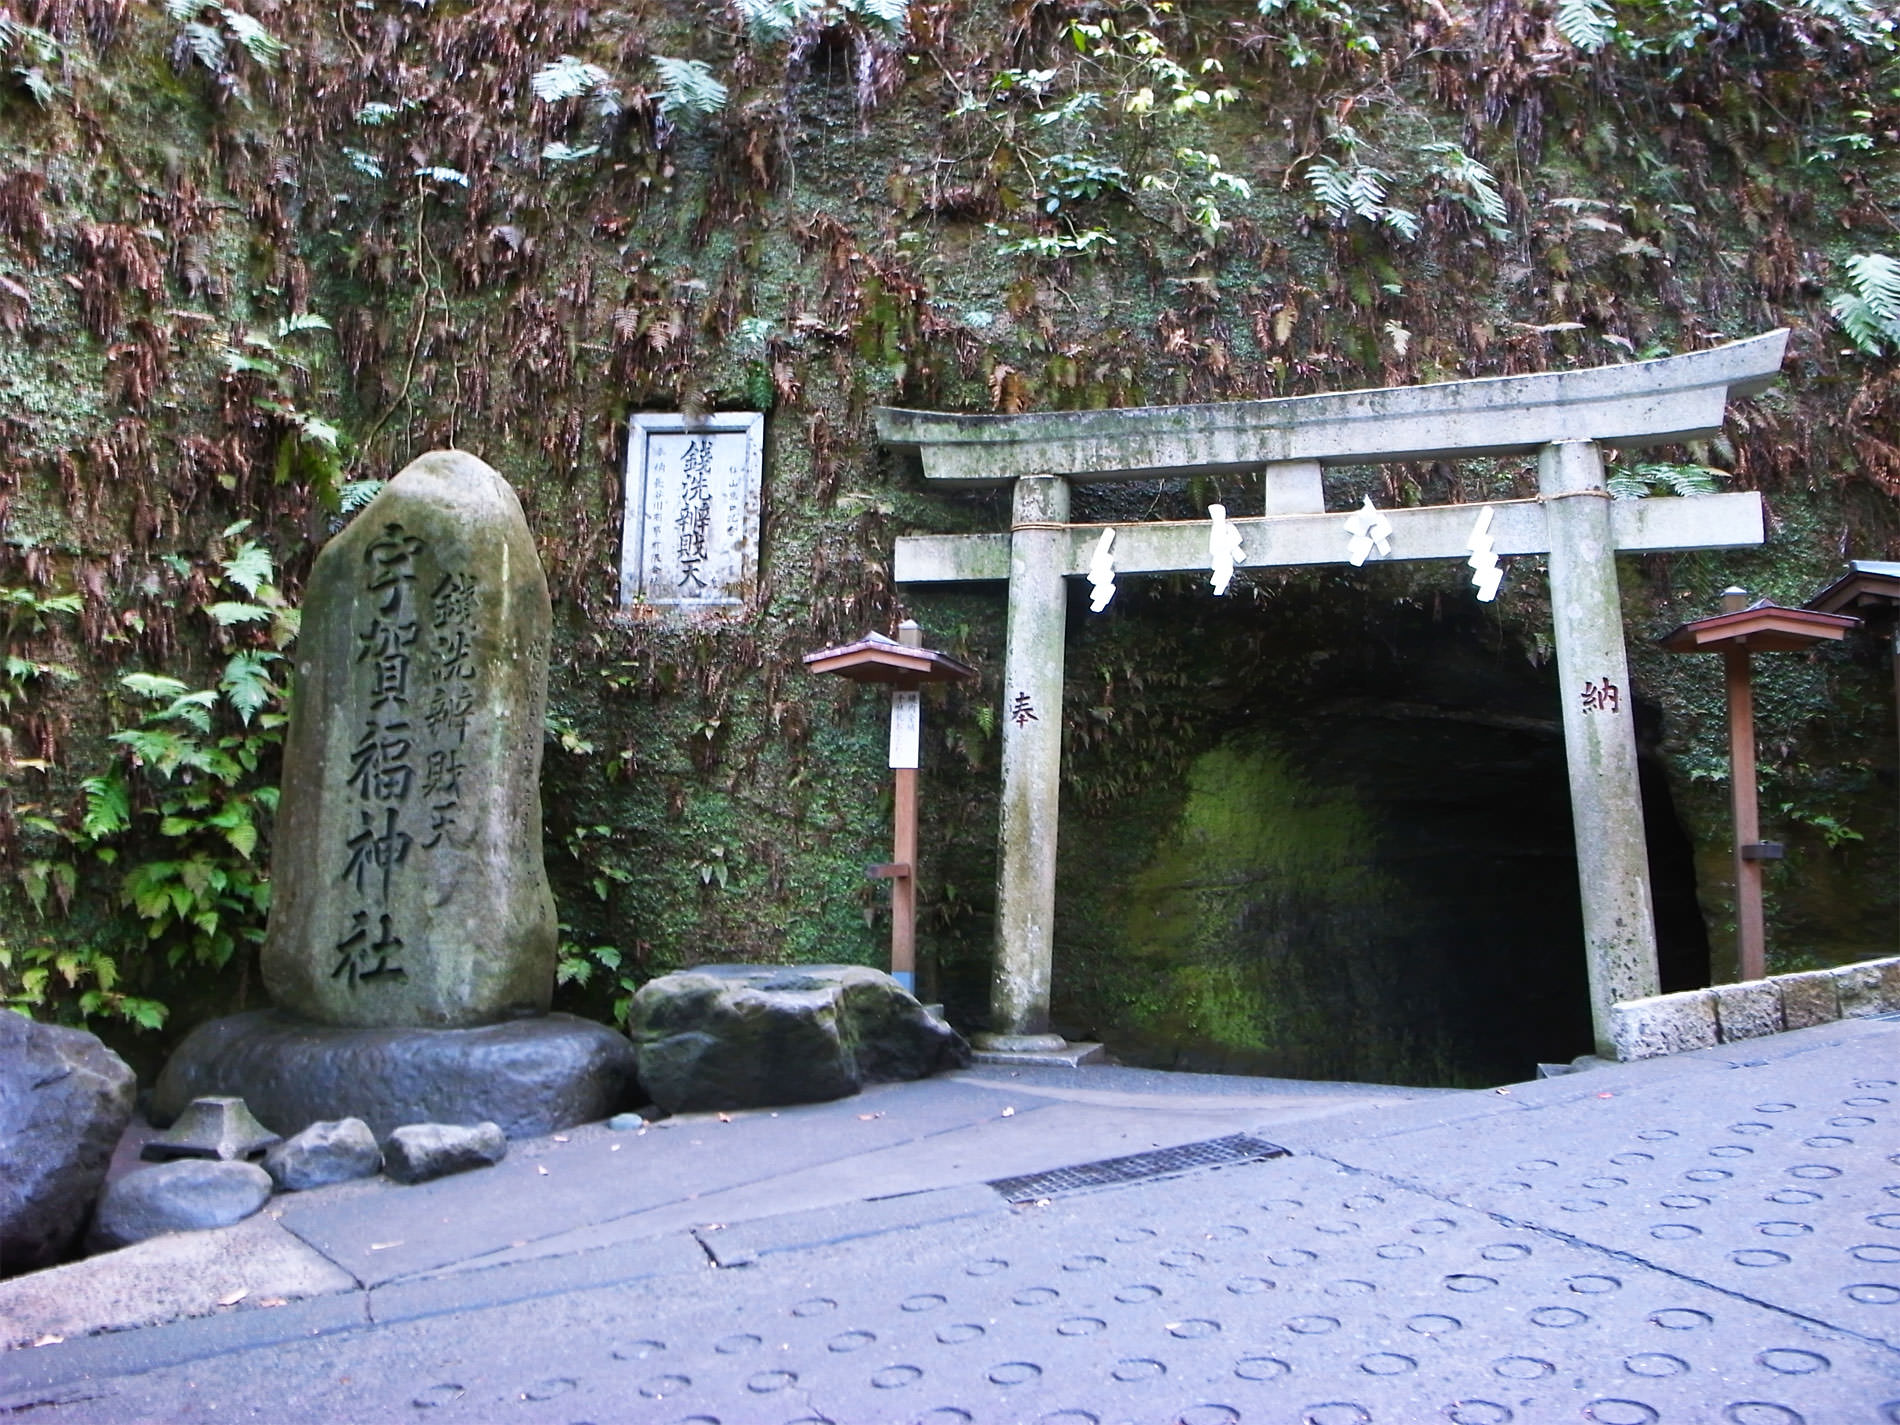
529,1076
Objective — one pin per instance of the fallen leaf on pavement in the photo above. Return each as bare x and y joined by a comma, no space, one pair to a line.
232,1298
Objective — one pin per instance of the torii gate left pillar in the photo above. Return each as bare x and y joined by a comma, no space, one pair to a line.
1561,416
1032,768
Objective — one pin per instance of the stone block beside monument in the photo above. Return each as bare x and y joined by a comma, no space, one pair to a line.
412,938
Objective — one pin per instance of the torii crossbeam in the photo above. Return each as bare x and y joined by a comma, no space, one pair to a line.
1562,416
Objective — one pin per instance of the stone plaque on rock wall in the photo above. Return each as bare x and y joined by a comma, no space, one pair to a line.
408,885
691,533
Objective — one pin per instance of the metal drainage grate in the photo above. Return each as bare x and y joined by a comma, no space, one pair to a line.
1138,1167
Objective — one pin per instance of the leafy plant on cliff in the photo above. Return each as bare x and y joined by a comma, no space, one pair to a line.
771,20
1869,310
33,58
1349,188
181,818
688,88
1657,477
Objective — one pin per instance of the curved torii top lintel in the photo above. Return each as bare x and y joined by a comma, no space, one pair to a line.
1635,404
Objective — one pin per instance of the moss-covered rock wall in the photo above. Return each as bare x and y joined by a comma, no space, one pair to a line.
254,257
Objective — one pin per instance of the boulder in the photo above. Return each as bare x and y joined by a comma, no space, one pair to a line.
421,1151
531,1076
64,1102
186,1196
324,1153
748,1036
407,880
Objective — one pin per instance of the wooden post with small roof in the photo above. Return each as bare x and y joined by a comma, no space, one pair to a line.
904,665
1740,629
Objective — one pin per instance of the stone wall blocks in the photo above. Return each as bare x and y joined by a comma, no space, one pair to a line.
1865,990
1809,998
1663,1024
1696,1019
1747,1011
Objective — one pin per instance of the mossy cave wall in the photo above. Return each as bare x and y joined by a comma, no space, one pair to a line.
1316,827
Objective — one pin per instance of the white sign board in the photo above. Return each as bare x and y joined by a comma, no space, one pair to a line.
906,724
691,533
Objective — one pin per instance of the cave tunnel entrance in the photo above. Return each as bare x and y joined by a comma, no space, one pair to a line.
1366,867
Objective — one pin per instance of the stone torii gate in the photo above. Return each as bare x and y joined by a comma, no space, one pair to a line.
1561,416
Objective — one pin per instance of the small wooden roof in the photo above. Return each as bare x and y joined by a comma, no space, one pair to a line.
877,659
1762,627
1867,581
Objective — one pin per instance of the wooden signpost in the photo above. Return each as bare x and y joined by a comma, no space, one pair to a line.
1740,629
905,665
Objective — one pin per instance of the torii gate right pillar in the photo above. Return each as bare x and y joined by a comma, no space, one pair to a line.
1606,804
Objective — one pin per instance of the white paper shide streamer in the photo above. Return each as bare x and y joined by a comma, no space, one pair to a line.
1370,530
1486,574
1223,548
1102,572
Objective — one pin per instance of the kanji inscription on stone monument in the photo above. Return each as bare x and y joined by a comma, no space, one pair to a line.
409,887
690,536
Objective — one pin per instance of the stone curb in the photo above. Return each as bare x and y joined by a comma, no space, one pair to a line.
1725,1014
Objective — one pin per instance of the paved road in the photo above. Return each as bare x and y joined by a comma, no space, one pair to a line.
1709,1238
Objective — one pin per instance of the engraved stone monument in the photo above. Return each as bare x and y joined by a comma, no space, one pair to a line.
414,893
412,938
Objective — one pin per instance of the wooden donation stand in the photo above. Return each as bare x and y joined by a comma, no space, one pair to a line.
1740,629
904,665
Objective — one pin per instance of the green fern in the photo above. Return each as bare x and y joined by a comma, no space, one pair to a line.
206,45
250,567
108,806
893,15
1870,311
1587,24
688,87
247,684
1358,190
259,43
356,494
571,78
770,20
1861,21
1453,165
1657,477
210,44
